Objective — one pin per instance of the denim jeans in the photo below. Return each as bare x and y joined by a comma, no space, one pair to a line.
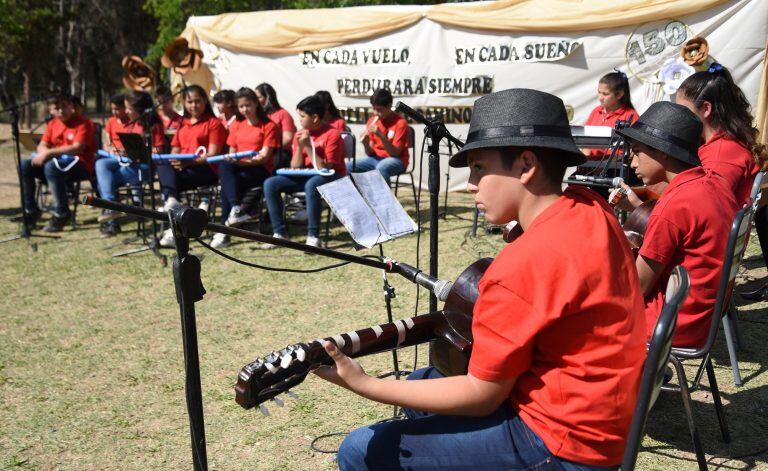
437,442
172,181
278,184
57,182
388,167
235,180
110,174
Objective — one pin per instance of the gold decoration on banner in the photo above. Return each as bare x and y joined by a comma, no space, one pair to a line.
137,74
695,52
180,57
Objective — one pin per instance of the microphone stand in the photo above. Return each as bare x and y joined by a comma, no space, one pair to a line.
436,131
25,231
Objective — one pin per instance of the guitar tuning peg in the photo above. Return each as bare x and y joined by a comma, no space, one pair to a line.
264,411
278,402
286,360
291,394
301,354
270,367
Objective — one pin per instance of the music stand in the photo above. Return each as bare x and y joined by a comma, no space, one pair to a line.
138,149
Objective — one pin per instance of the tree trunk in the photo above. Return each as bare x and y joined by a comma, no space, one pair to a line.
27,118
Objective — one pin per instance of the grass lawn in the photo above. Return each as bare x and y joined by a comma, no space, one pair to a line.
91,365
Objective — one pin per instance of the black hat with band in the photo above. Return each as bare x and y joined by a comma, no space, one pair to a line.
669,128
520,117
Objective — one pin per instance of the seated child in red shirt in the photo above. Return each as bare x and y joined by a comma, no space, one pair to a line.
69,133
690,223
615,105
115,124
558,329
385,139
317,144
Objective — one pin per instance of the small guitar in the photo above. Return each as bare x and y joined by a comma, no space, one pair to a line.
451,330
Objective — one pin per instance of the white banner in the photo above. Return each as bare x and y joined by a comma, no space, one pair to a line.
443,70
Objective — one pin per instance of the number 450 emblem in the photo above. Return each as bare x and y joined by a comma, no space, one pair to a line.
653,43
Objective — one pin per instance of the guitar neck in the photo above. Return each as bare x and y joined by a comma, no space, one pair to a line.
266,377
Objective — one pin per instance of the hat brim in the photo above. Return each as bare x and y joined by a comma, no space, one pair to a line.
571,154
679,153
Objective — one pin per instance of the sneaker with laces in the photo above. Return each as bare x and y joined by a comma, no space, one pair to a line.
313,241
219,241
167,239
170,203
237,216
57,222
110,229
272,246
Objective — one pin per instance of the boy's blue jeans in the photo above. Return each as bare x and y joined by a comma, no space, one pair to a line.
438,442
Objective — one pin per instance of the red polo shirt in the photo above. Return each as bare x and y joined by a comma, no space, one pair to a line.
157,139
77,129
600,117
728,158
689,226
396,130
244,135
338,123
113,127
284,122
328,146
206,131
172,122
561,310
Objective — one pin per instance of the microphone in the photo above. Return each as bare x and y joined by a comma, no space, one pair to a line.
616,182
441,288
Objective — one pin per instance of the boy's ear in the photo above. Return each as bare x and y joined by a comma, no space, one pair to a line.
530,164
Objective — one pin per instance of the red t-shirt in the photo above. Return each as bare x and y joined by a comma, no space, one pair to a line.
244,135
172,122
227,122
329,146
158,137
728,158
396,130
600,117
284,122
561,310
206,131
338,123
689,226
113,127
77,129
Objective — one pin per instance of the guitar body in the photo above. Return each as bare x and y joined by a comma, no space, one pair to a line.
637,223
442,354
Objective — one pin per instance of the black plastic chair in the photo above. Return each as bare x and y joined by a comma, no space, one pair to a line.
659,350
411,164
731,261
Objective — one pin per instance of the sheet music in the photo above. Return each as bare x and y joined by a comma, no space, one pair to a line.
353,212
385,206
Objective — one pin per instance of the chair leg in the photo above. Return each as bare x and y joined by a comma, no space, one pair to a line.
728,328
397,184
327,227
733,313
699,373
686,396
718,402
74,204
413,188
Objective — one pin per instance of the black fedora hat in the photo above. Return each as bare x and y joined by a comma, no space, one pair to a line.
670,128
519,117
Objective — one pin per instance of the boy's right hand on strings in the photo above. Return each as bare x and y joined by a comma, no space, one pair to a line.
624,198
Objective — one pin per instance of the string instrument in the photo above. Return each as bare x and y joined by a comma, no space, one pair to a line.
450,330
637,221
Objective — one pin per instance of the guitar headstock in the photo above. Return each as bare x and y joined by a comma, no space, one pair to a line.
271,375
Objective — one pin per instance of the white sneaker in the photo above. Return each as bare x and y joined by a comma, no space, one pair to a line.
170,203
313,241
237,216
167,239
204,205
219,241
272,246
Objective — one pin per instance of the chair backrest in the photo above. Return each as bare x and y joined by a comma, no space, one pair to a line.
98,135
656,362
411,149
737,245
755,194
350,144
